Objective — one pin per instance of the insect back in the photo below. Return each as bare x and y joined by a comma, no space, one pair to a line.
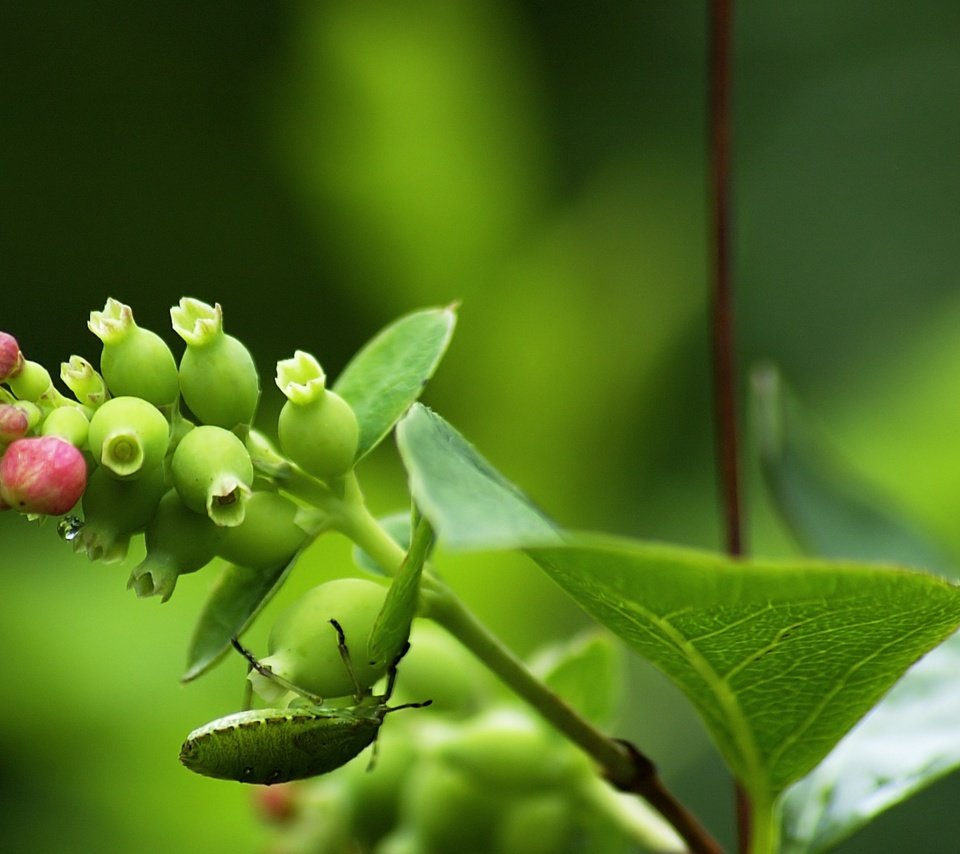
277,745
269,746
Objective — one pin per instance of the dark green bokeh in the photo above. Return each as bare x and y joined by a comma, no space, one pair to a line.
320,168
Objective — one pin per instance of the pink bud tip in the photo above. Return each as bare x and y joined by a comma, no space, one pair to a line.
11,359
13,423
42,474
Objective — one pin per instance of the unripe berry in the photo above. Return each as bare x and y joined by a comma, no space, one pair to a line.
213,474
317,428
445,807
541,824
135,362
114,509
267,537
42,474
218,378
11,359
32,382
128,436
87,385
303,644
178,541
440,668
69,423
507,750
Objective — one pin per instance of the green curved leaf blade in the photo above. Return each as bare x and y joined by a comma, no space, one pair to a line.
470,504
830,511
780,659
390,371
911,738
237,597
392,627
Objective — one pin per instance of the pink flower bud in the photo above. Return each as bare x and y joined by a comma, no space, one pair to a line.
14,423
42,474
11,359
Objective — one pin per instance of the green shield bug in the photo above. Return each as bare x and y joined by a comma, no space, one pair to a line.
277,745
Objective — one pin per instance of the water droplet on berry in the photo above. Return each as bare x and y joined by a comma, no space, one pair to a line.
69,528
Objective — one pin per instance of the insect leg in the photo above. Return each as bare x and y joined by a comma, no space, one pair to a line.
392,672
358,690
269,674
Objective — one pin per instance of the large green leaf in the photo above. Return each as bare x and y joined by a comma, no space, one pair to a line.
911,738
781,659
830,511
470,504
389,373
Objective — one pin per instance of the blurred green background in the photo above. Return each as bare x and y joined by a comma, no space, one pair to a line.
319,168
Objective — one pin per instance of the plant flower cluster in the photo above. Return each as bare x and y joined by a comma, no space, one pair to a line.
149,446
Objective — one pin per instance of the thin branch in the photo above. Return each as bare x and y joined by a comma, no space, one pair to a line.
724,357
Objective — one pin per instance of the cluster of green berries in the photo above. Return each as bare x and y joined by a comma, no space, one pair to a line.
147,445
475,772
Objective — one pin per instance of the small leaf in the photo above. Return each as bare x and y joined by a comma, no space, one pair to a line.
907,742
397,525
471,505
829,510
236,598
389,373
780,658
585,671
392,627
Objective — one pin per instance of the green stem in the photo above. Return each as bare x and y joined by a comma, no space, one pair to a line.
764,828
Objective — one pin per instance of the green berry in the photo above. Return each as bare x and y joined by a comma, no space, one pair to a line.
213,474
115,509
178,541
303,644
32,383
218,378
135,362
317,428
128,436
439,667
67,422
268,536
448,811
507,750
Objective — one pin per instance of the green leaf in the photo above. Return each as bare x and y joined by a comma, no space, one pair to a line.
911,738
236,598
392,628
831,511
469,503
586,671
907,742
389,373
780,658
